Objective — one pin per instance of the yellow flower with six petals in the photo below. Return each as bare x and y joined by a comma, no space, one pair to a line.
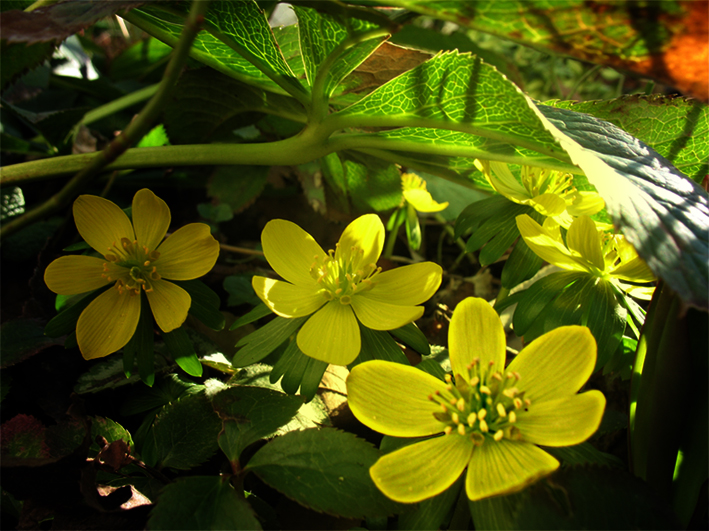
487,418
134,259
607,256
341,287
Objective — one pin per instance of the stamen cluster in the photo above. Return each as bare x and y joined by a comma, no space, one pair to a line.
137,261
538,181
482,404
342,275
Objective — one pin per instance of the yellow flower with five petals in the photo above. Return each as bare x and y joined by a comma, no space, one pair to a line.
340,288
135,259
487,418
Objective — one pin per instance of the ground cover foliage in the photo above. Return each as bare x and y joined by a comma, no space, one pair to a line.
482,133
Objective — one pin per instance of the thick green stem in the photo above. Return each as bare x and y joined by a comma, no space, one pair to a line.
133,132
112,107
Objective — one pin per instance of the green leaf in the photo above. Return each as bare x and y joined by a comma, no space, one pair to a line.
298,371
65,321
378,345
13,202
250,414
571,498
676,128
237,186
326,470
371,183
182,351
205,303
256,313
263,341
584,453
523,263
19,58
459,93
534,300
202,502
109,430
661,212
167,390
142,346
412,337
209,106
241,291
333,46
183,434
238,42
432,513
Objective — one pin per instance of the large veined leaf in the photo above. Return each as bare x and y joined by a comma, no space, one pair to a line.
663,40
677,128
662,213
239,43
337,44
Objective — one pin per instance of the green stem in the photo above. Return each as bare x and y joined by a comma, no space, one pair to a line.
133,132
391,237
40,3
501,296
112,107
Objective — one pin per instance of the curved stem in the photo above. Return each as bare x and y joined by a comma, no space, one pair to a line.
135,130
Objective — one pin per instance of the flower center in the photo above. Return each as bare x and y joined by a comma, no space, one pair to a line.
342,275
482,404
540,181
131,266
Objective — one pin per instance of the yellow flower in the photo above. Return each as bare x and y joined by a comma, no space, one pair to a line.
417,196
606,256
551,193
133,260
340,287
490,418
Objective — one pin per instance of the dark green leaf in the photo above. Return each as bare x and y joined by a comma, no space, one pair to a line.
378,345
263,341
237,186
298,371
254,314
205,303
326,470
522,264
182,351
65,322
202,502
534,300
584,453
241,292
412,337
250,414
183,434
109,430
432,513
141,346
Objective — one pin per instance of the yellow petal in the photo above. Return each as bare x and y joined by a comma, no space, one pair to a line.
476,332
392,398
407,286
555,364
562,422
588,203
546,247
107,323
151,218
331,335
422,470
504,182
290,251
70,275
549,204
190,252
583,238
169,304
366,233
506,467
101,223
287,300
422,201
379,315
